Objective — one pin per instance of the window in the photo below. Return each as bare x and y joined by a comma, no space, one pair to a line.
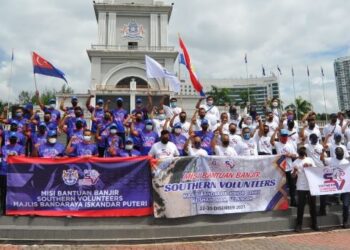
132,45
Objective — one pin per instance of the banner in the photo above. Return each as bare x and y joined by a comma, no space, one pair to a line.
191,186
81,187
328,180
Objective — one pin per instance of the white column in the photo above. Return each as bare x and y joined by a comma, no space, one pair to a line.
112,29
154,30
102,28
95,72
164,30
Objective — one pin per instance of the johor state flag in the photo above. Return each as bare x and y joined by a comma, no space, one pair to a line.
43,67
194,79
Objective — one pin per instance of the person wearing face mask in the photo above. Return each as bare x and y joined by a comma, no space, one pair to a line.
234,137
197,121
290,116
224,149
32,117
75,134
13,148
97,112
275,107
223,126
181,119
205,135
14,128
332,128
310,127
285,148
147,136
84,148
234,116
69,121
337,162
159,121
19,118
248,146
271,122
70,110
51,148
303,189
141,109
164,148
212,112
103,131
193,147
138,124
178,138
112,141
129,150
40,137
247,122
55,114
337,142
293,136
48,121
172,109
264,144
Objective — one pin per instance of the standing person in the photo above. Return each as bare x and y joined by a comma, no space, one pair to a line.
310,127
52,148
249,144
172,109
185,125
13,148
212,112
18,118
205,135
287,149
14,128
103,132
337,139
119,116
164,148
293,136
271,122
138,124
338,161
111,140
147,136
193,146
55,113
97,112
129,150
332,128
40,137
235,137
140,108
178,138
223,126
224,149
303,189
264,144
70,110
84,148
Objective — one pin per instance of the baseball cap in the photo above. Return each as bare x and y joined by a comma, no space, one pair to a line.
138,100
149,122
13,135
42,124
177,125
129,139
284,132
119,99
29,106
204,122
14,122
52,133
99,101
74,98
52,100
113,126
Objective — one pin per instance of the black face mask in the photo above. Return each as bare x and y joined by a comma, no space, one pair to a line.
138,119
225,143
197,145
313,141
339,156
164,140
182,119
311,126
74,103
201,116
13,128
13,141
79,125
205,127
42,130
119,104
233,131
107,117
78,114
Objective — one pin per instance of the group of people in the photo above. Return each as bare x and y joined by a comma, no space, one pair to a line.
166,131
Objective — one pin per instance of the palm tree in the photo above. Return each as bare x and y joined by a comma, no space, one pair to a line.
301,107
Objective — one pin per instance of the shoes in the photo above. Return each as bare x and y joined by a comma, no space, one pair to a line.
345,225
315,228
298,229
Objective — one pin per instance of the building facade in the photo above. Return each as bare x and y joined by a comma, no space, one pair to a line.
127,31
342,79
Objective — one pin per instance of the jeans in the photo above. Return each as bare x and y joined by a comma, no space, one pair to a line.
304,196
345,197
291,185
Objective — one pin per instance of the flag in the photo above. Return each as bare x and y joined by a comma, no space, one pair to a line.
194,79
292,72
155,70
43,67
263,70
12,56
322,73
246,58
308,71
279,70
182,59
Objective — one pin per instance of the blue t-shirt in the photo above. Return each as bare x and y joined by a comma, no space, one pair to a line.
31,125
147,141
206,140
179,141
48,150
55,115
7,150
126,153
84,149
21,139
39,138
139,127
22,123
112,141
98,115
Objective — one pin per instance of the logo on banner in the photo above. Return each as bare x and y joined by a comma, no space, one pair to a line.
90,178
70,177
133,31
334,176
222,163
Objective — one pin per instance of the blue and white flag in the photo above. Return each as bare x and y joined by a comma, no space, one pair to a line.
155,70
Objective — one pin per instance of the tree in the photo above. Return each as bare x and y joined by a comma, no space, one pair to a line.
48,94
247,96
301,106
220,95
66,89
26,97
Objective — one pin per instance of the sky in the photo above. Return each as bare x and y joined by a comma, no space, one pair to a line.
288,33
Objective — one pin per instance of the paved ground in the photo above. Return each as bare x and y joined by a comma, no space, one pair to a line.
333,240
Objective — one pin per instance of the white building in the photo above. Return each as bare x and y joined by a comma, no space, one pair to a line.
342,78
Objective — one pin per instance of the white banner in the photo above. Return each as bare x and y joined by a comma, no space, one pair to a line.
328,180
190,186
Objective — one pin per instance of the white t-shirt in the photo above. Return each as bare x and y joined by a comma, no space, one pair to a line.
332,148
198,125
235,140
225,151
287,148
308,132
161,151
315,152
170,112
334,162
294,138
296,125
225,128
158,125
264,145
213,114
347,134
272,127
196,152
298,166
248,147
329,129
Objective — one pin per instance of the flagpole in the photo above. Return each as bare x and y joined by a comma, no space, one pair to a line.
324,95
246,69
295,97
9,85
308,78
181,99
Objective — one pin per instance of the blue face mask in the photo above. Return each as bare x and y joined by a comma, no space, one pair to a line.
246,136
173,104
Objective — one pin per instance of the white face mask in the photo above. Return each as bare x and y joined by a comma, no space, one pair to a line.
178,131
149,127
52,140
113,131
87,138
275,104
161,117
249,122
129,146
210,103
52,105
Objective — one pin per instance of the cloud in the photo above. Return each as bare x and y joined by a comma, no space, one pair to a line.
217,33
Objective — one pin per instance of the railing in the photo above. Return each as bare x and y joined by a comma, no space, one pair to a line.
102,87
133,48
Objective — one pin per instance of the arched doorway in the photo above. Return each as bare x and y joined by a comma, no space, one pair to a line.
127,81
